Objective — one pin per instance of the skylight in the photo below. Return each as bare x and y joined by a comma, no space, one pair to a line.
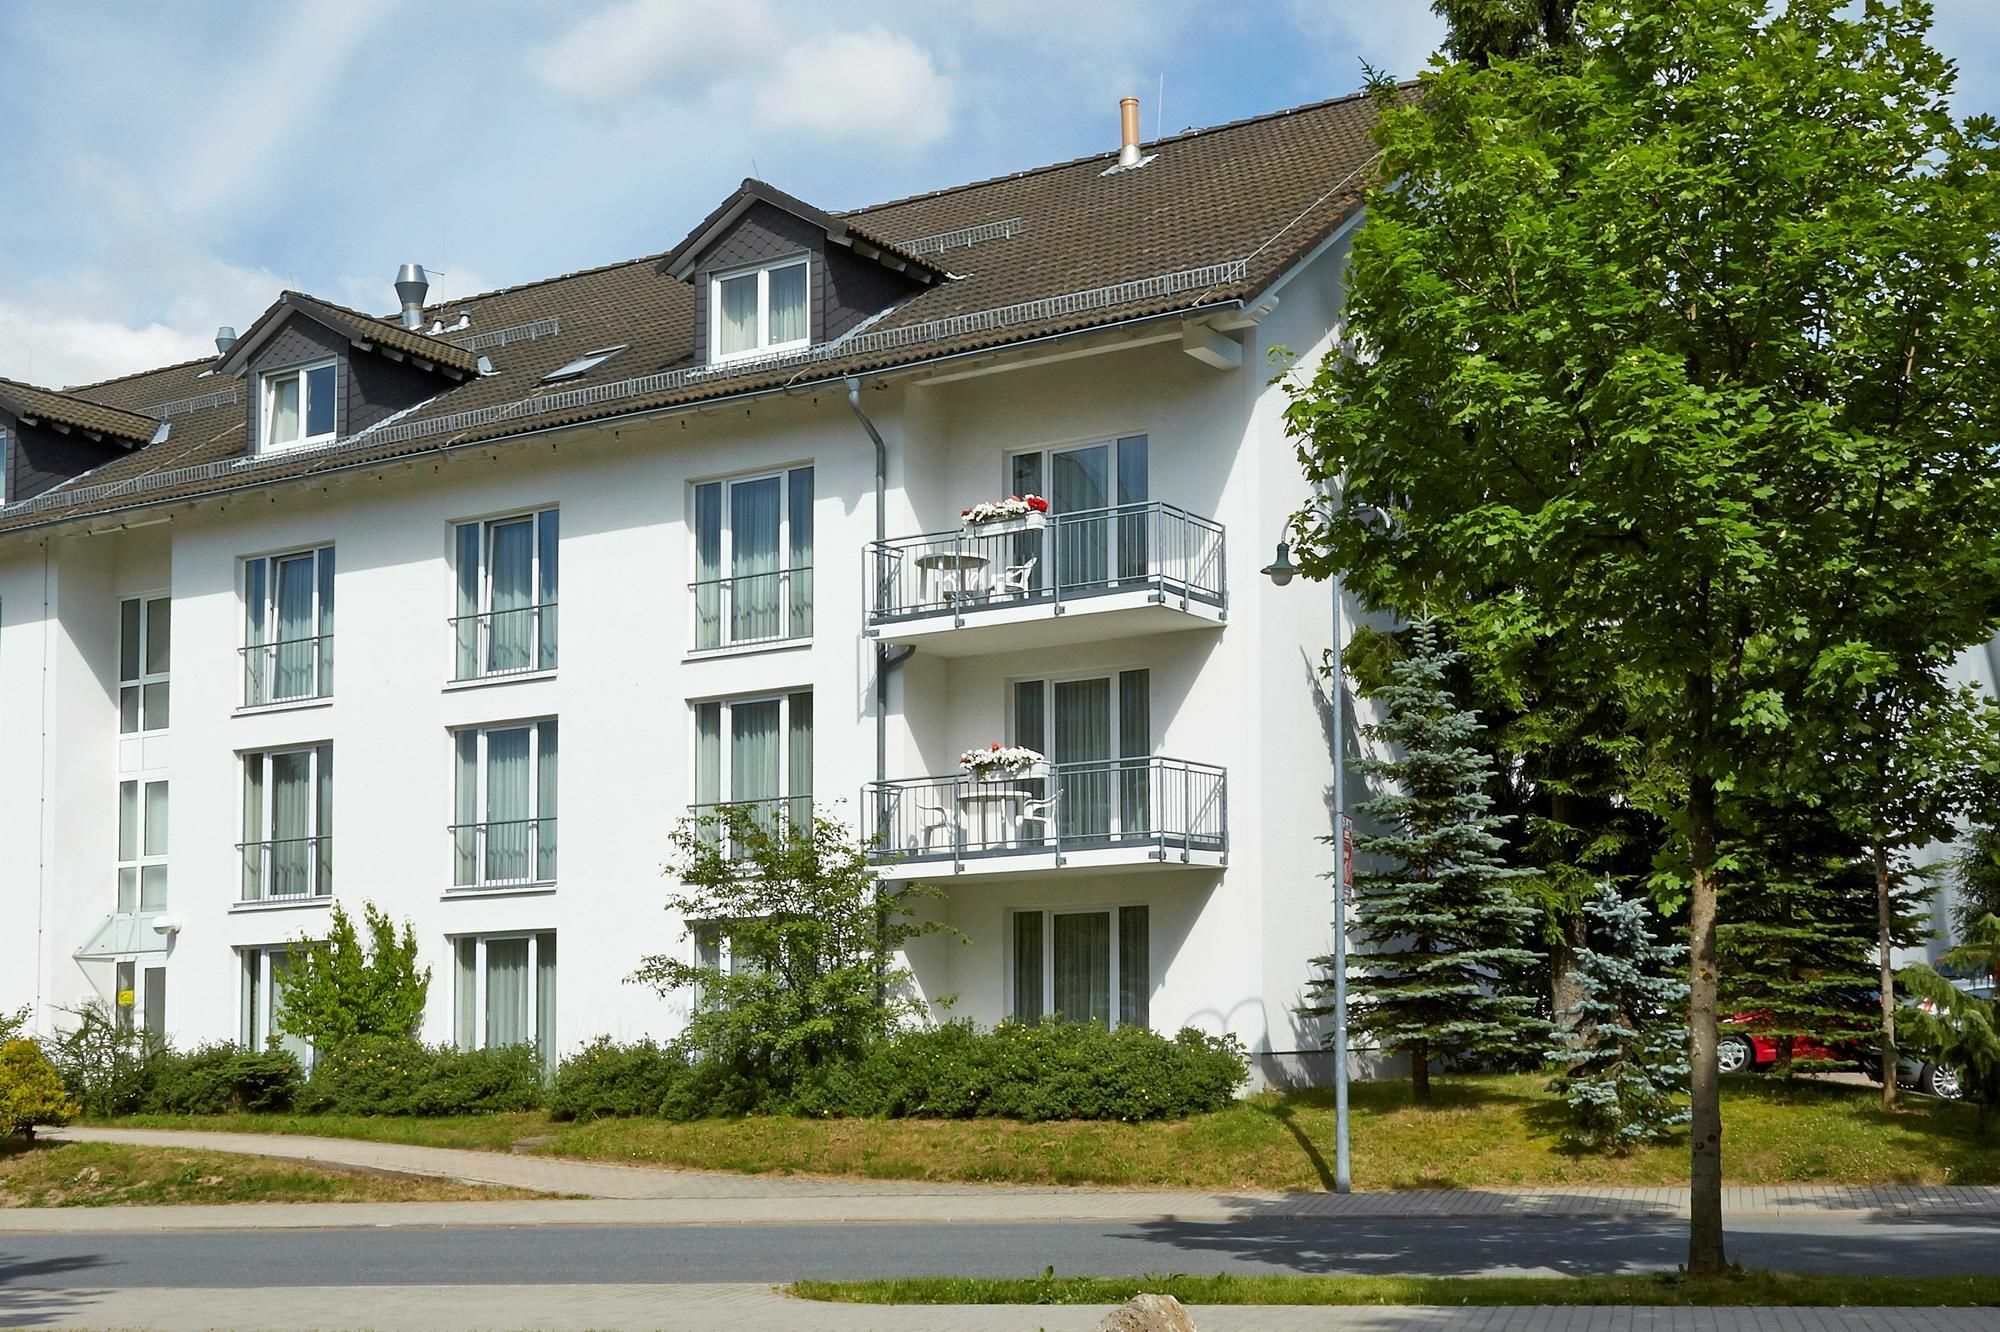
583,364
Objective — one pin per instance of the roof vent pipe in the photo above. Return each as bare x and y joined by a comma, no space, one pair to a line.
1128,124
225,338
411,288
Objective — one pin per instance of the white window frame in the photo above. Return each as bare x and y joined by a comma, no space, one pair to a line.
482,613
1048,915
764,345
783,698
479,1023
533,726
726,590
145,679
259,988
266,666
142,860
315,754
267,396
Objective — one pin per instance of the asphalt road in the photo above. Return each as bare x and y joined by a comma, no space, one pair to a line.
613,1254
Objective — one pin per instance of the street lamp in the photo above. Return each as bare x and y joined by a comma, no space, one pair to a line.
1281,571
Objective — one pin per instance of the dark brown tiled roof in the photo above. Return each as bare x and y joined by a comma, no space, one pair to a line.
384,332
1214,217
128,428
835,225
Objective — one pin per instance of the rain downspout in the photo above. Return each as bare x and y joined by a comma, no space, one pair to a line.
884,660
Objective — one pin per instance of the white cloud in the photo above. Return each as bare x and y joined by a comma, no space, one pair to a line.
628,48
58,350
858,85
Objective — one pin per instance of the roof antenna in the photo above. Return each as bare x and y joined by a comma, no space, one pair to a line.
754,171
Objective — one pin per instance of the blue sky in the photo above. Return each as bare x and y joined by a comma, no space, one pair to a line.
172,167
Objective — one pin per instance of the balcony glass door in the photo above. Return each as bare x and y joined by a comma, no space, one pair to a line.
753,564
1081,727
1097,542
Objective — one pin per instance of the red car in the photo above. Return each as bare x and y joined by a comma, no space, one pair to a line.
1754,1051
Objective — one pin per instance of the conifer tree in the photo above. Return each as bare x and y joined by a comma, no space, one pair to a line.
1623,1077
1438,928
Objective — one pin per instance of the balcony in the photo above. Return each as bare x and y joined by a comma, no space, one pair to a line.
290,670
1042,582
510,853
499,643
1145,813
287,869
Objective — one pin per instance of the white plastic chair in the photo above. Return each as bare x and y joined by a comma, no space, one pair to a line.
1037,811
1015,578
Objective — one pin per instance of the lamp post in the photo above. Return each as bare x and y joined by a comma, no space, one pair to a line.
1281,571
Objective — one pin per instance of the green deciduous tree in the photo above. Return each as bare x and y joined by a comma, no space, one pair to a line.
1660,336
811,973
1441,925
31,1091
338,988
1627,1070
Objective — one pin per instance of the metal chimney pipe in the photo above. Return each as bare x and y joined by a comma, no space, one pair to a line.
1128,124
411,288
225,338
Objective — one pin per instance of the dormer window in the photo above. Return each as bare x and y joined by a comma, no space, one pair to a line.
760,310
299,406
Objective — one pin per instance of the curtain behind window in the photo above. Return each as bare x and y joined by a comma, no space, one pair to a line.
799,550
465,1005
707,753
467,624
547,532
737,318
326,621
284,410
708,565
1083,738
256,606
753,560
297,582
506,992
465,808
1027,966
507,807
1081,490
1083,967
509,642
253,827
291,823
788,304
799,760
1135,968
545,999
1135,746
753,755
545,803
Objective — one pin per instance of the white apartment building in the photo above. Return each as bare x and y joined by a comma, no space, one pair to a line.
458,611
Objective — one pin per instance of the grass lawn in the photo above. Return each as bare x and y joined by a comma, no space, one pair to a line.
1482,1132
1747,1288
102,1174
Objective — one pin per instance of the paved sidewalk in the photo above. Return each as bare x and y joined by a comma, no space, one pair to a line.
698,1308
635,1195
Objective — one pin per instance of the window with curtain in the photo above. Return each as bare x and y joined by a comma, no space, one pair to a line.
1097,734
142,846
766,309
504,805
754,753
263,1003
753,559
300,406
288,627
287,845
145,649
1086,965
504,992
506,571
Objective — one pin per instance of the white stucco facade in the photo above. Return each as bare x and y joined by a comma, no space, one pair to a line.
1230,926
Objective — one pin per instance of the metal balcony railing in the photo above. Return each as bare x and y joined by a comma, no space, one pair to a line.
1066,557
287,869
753,608
287,670
503,854
715,819
1167,806
504,642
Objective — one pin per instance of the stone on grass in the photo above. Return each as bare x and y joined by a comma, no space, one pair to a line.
1148,1313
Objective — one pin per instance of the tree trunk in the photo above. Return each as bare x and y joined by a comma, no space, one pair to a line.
1882,943
1705,1246
1565,990
1420,1074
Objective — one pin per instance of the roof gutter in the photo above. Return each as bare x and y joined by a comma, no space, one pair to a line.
636,417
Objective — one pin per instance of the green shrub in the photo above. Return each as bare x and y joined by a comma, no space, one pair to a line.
31,1091
221,1079
605,1079
104,1068
385,1075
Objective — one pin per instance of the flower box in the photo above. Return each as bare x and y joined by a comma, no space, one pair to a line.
1016,513
999,762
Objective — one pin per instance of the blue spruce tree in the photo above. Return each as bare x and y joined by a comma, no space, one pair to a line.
1625,1076
1441,928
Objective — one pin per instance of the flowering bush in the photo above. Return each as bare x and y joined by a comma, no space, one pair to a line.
1013,759
994,511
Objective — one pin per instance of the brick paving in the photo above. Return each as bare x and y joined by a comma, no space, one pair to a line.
754,1308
